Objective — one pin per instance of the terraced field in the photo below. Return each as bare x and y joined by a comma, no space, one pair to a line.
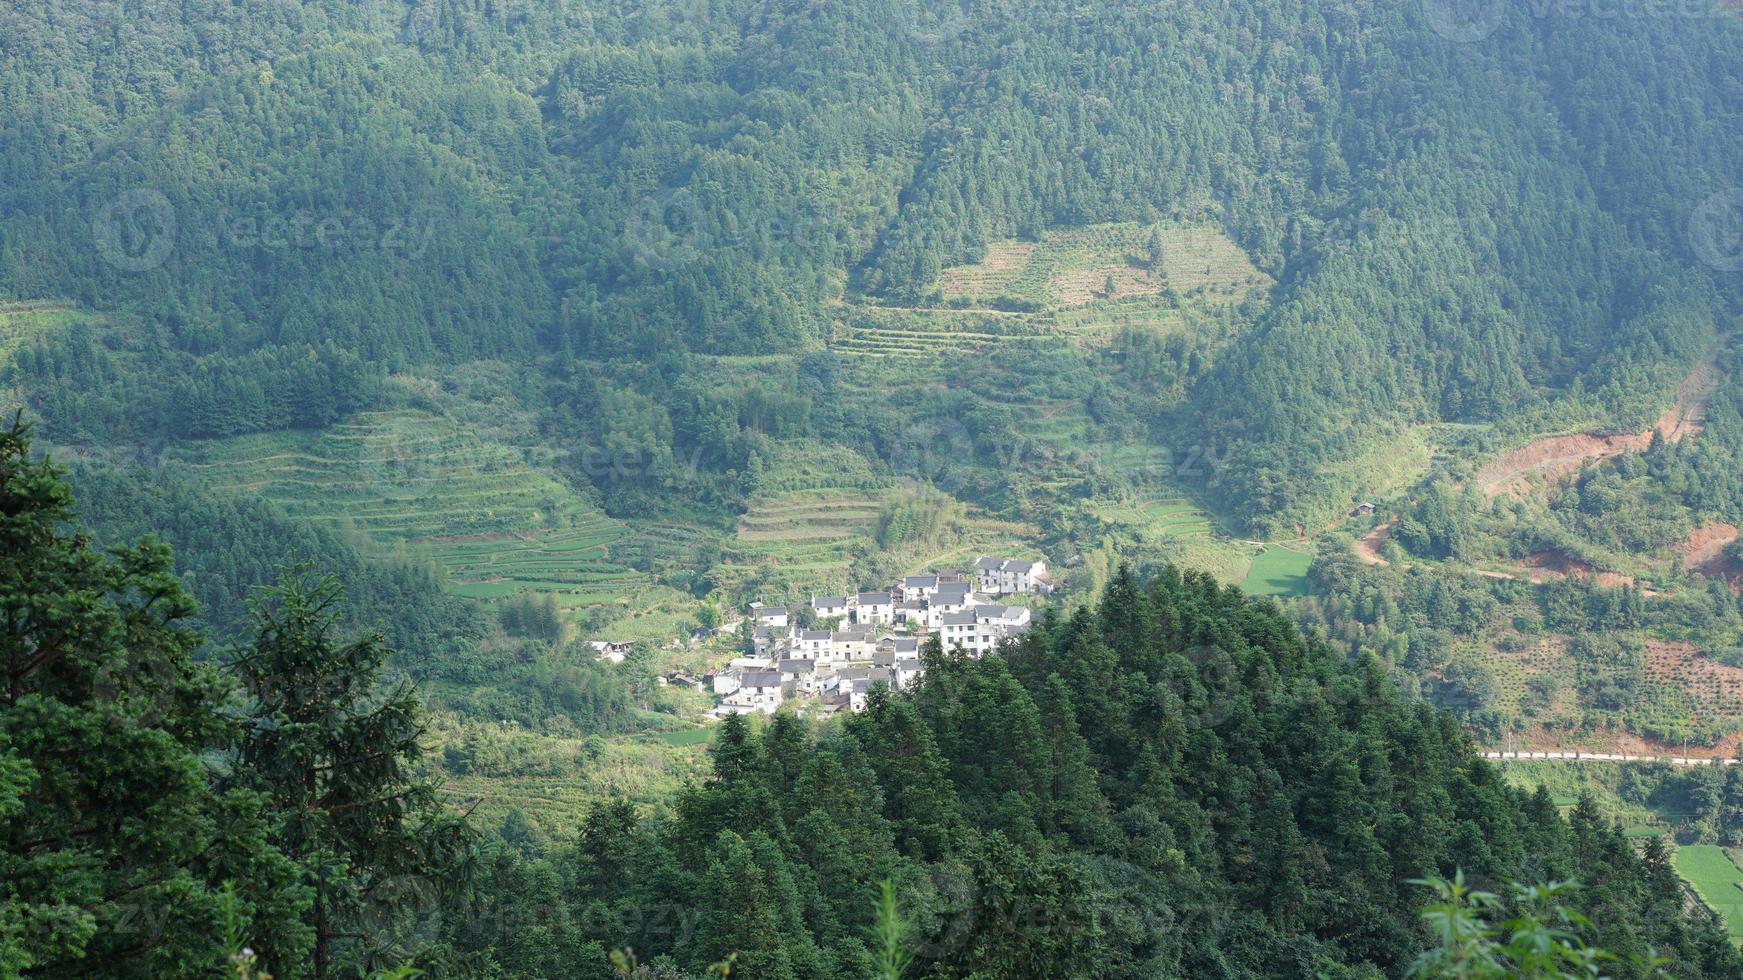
1165,528
808,536
495,517
917,335
1161,518
644,771
1097,322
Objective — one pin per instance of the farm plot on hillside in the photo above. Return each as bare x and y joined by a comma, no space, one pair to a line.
906,335
20,321
1684,690
1716,879
807,539
495,517
1165,528
1074,266
1279,571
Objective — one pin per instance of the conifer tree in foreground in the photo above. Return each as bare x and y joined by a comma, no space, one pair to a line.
116,857
337,755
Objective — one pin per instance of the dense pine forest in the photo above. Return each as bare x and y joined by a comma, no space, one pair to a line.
1459,231
1365,372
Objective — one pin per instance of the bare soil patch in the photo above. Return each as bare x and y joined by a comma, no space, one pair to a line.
1368,546
1706,544
1553,458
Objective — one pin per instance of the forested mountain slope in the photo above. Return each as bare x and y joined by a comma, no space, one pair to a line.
1467,219
1174,783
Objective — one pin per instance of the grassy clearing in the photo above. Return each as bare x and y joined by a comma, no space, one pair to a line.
644,770
1388,466
1072,267
20,321
1716,879
1278,571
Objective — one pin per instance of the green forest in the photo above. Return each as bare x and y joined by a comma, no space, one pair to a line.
1367,375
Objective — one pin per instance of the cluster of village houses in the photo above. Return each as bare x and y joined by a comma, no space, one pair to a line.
874,638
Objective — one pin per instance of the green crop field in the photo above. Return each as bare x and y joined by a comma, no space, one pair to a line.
1279,571
1716,879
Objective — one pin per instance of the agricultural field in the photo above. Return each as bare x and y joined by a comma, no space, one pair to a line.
1566,783
809,535
1687,689
1520,663
1278,570
1043,294
1171,528
920,334
1713,873
1072,267
411,484
824,540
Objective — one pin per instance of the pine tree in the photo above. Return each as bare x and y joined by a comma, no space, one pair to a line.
337,752
115,854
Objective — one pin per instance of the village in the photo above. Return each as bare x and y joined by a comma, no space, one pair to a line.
832,653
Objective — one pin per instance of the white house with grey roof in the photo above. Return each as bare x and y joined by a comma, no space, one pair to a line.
770,616
918,586
830,606
874,609
999,576
759,691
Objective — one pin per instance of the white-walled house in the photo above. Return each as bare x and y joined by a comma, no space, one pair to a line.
893,648
874,609
1003,616
905,672
772,616
814,644
854,645
919,586
802,675
1001,575
727,681
759,691
945,601
957,629
829,606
